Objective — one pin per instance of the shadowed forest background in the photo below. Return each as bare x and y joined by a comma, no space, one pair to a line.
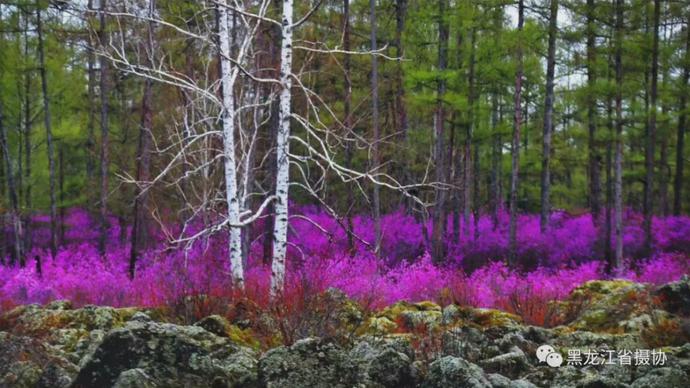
486,152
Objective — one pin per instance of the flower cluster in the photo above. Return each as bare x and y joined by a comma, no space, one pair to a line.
551,264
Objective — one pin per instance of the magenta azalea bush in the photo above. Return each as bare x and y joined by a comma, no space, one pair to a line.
552,264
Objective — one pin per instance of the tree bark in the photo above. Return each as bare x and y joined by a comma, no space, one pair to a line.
283,162
618,162
375,152
140,223
230,165
27,142
61,188
400,10
90,139
593,157
496,156
548,118
650,139
11,186
438,215
49,133
469,132
347,63
104,156
515,149
680,143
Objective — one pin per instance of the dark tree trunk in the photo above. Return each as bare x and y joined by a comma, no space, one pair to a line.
12,187
439,219
680,144
400,10
455,164
49,134
650,139
140,222
515,149
376,201
104,157
90,139
61,188
548,118
469,127
608,254
496,157
27,143
593,158
139,226
348,122
618,163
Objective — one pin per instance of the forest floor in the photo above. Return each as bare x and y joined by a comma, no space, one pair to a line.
612,334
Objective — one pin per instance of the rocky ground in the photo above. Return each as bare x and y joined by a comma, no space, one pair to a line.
405,345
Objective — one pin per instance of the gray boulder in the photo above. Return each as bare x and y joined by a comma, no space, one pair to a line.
455,372
662,377
169,355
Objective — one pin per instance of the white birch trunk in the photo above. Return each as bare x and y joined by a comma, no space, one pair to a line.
228,119
283,166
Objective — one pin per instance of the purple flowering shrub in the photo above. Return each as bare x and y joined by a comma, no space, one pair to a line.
551,264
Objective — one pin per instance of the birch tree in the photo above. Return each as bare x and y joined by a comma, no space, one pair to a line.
282,149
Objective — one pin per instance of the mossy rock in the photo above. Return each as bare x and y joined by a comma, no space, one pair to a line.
413,316
244,337
378,326
493,318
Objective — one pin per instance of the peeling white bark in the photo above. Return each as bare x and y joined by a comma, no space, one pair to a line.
230,165
282,173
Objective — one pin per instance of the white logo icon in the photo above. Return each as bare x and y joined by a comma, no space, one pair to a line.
546,353
554,360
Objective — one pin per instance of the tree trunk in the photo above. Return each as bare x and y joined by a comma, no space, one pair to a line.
496,157
548,118
515,149
438,216
90,139
140,224
14,200
61,188
283,163
27,142
609,185
230,165
347,62
469,129
593,157
650,139
680,143
400,10
49,134
375,124
104,158
618,162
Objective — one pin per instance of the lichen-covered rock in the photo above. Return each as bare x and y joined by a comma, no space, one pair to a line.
662,377
171,355
455,372
675,296
466,342
510,364
385,362
27,362
410,316
310,362
61,326
215,324
134,378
